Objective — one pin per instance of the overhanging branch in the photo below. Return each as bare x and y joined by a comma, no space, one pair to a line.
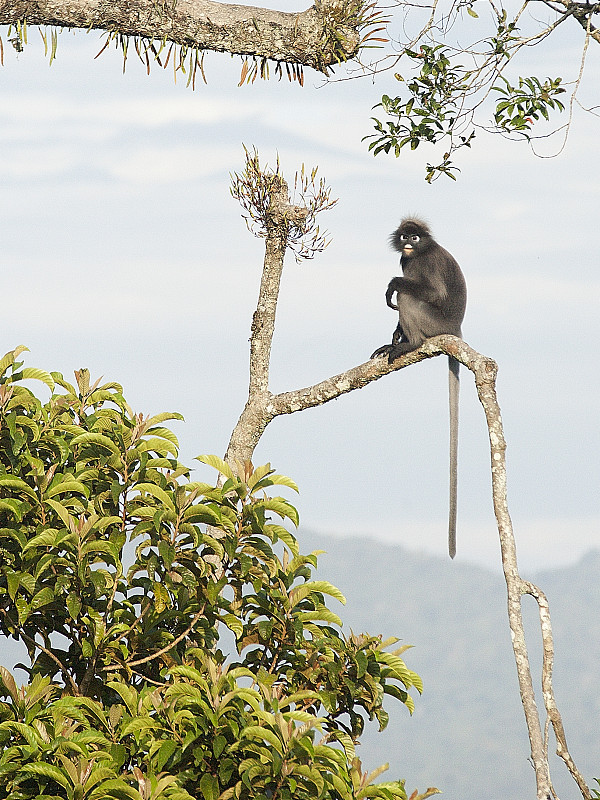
319,37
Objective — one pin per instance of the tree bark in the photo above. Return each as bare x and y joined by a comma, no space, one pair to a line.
322,35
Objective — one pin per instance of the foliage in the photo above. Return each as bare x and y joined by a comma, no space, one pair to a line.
258,189
523,105
130,694
429,114
454,60
453,56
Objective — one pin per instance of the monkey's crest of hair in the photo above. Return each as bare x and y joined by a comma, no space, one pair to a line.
414,225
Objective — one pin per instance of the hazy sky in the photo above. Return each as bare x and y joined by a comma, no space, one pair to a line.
125,253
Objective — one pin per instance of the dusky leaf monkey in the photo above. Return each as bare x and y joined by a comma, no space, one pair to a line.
431,297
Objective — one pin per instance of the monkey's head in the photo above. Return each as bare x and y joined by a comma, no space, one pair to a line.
412,237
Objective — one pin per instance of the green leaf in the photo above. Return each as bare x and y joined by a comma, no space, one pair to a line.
233,623
9,681
31,373
163,433
218,464
62,512
42,598
160,494
47,771
13,507
95,438
279,480
398,668
19,485
73,605
116,788
11,357
100,546
281,507
322,614
165,752
324,587
68,486
163,417
13,581
157,445
265,734
127,693
209,786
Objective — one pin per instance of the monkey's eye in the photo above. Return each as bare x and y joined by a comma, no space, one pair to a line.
415,238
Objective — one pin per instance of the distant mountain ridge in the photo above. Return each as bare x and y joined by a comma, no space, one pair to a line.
468,735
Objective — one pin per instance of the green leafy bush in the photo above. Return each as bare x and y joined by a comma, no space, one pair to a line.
121,575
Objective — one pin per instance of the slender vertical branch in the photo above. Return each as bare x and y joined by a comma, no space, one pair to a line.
271,215
263,321
485,379
552,711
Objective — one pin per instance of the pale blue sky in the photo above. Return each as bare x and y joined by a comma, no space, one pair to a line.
124,252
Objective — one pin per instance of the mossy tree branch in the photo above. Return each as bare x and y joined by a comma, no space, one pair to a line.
319,37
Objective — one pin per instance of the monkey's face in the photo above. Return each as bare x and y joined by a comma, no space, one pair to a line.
410,243
411,238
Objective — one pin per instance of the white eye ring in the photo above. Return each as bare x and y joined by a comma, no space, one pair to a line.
413,238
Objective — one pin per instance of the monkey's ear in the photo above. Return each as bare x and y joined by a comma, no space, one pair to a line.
396,241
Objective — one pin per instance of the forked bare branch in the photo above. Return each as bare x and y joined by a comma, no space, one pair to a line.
263,406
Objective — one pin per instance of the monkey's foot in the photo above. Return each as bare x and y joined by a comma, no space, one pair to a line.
382,351
394,351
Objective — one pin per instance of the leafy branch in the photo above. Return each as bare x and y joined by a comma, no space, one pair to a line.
448,85
525,104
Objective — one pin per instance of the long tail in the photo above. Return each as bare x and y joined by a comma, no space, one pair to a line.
453,387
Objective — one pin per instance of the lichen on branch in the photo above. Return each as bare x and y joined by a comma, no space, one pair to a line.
319,37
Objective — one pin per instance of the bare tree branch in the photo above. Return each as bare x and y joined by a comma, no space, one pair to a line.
262,407
277,222
552,713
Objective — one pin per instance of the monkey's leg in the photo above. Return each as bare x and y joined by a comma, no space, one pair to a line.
385,349
398,335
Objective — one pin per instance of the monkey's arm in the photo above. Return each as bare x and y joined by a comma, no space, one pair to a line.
390,292
420,290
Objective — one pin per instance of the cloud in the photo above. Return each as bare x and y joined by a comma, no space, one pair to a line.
515,294
152,165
